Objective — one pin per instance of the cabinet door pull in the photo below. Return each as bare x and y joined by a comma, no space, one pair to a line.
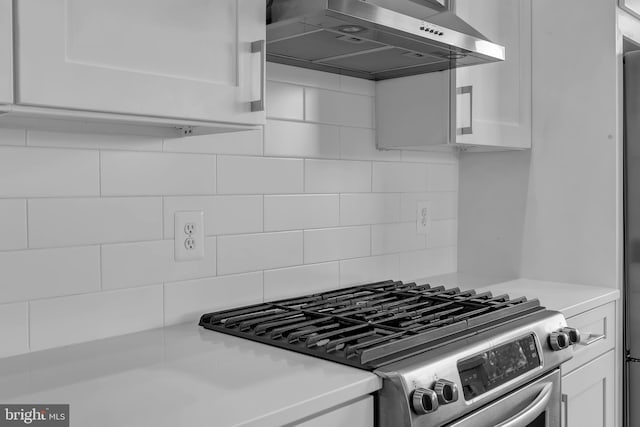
462,92
565,401
260,47
592,338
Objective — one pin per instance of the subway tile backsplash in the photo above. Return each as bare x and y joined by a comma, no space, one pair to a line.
13,224
43,172
88,221
45,273
305,204
140,174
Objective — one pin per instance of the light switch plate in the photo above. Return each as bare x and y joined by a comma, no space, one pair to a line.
423,217
189,236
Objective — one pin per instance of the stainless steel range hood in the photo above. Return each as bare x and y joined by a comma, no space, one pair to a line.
374,39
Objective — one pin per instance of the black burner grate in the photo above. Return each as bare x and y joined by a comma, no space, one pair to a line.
369,326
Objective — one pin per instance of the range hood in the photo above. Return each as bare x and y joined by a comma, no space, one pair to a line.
374,39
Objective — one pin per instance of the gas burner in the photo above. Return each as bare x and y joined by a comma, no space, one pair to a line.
371,325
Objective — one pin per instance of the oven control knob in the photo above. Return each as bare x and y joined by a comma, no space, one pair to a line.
559,341
573,333
424,401
447,391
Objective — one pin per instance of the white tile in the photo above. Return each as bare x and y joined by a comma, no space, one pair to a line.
145,263
337,176
222,214
429,262
360,144
46,273
80,318
338,108
253,252
71,222
13,224
333,244
449,157
259,175
93,141
302,76
390,238
243,143
187,301
400,177
443,177
444,205
40,172
373,208
371,269
297,139
14,329
295,281
359,86
298,212
150,174
443,233
13,137
284,101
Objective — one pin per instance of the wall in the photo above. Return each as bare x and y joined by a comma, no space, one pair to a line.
86,221
555,213
572,225
492,210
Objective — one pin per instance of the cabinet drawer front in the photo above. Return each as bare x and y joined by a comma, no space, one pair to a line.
597,328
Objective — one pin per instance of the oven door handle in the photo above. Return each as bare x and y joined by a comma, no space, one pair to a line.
531,412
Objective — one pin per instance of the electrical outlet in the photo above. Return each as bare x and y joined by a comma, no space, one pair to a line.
423,217
189,228
189,236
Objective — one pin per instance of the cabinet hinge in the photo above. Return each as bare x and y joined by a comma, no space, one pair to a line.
186,130
631,359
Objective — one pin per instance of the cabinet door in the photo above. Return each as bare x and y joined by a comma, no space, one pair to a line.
170,58
6,43
494,100
588,394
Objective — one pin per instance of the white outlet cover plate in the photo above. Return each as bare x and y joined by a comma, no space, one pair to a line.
423,217
189,247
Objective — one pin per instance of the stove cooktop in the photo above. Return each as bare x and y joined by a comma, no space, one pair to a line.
373,325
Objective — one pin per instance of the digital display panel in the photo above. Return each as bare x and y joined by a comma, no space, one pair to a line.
488,370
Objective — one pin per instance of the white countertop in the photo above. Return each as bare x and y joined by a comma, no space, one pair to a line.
567,298
570,299
181,376
188,376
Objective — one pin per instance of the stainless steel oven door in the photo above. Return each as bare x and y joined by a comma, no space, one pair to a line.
536,404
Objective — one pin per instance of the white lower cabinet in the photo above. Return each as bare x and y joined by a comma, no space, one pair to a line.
588,394
356,414
589,379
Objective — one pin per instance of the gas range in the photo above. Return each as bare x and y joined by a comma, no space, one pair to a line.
442,353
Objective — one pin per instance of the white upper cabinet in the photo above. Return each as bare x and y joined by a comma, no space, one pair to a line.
493,101
6,69
482,107
193,60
